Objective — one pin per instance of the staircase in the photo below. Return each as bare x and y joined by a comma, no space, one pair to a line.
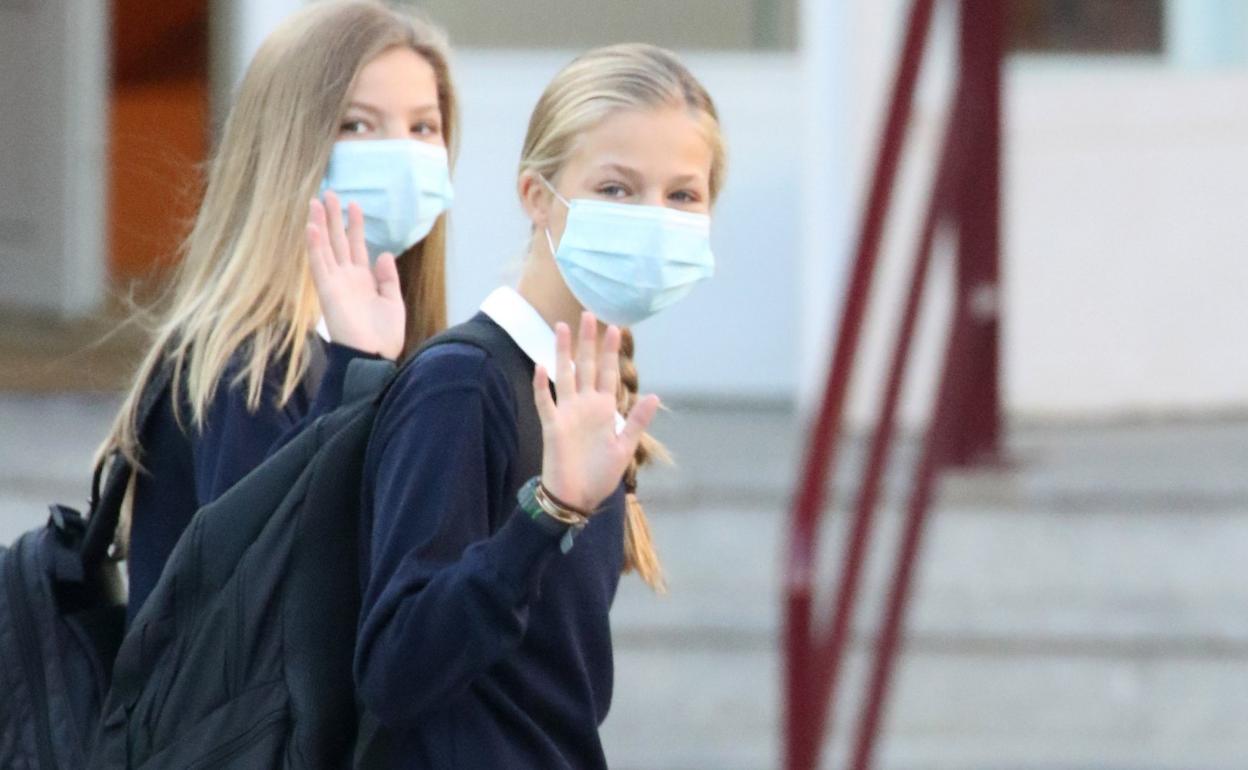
1086,607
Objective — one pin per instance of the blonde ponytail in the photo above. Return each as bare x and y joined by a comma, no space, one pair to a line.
640,555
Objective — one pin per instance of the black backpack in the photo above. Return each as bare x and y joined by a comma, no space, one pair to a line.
242,655
62,615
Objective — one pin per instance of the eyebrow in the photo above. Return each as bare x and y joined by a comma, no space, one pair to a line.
633,175
622,170
376,112
363,108
688,179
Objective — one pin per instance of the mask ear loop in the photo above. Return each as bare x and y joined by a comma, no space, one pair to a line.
550,242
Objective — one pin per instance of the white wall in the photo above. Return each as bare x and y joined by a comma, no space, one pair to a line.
827,187
1125,228
1127,238
736,336
52,155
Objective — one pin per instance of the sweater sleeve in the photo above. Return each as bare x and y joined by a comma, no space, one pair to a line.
329,391
447,594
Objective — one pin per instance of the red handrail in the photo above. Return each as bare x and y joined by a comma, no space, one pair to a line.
808,687
813,662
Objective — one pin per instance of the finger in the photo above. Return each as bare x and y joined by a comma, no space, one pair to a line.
586,347
565,380
386,272
355,234
541,396
316,259
337,233
609,361
639,418
316,212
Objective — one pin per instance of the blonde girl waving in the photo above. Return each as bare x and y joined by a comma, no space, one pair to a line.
346,114
503,511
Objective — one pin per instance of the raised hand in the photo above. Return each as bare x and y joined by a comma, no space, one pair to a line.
583,458
363,306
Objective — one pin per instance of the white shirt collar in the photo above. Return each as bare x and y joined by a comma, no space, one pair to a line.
322,329
527,329
523,324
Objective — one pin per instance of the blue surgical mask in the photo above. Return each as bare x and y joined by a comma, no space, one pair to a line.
401,185
625,262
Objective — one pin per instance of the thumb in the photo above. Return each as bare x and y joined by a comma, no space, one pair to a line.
387,275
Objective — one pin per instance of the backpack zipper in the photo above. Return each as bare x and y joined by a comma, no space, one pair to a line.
32,658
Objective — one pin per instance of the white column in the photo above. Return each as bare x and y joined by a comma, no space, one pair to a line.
827,188
53,124
237,28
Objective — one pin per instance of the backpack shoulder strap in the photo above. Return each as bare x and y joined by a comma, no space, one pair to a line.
108,490
482,332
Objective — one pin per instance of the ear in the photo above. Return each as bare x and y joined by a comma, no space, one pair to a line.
535,198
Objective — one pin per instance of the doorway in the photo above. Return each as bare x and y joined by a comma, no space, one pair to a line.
158,131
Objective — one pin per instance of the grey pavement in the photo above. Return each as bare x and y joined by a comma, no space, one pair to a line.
1081,607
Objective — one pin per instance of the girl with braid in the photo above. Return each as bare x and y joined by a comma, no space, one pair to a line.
501,509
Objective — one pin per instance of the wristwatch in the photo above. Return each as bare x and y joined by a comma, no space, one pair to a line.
548,514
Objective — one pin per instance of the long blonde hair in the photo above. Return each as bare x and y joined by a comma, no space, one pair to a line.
243,287
593,86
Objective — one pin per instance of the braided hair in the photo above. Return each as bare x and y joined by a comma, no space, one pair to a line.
593,86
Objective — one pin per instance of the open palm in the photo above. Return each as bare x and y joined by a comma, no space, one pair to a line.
362,305
583,457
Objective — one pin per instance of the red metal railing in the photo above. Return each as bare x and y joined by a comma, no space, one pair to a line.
965,425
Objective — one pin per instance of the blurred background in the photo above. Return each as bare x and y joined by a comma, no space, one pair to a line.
1080,602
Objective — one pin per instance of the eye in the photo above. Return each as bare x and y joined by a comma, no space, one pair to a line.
613,190
426,128
684,196
354,127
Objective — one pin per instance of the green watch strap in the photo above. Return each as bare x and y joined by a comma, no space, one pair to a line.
526,496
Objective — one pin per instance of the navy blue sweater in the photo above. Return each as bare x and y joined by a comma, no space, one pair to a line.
481,645
188,468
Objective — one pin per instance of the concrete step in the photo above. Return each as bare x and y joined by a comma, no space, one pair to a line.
690,708
1111,577
1055,623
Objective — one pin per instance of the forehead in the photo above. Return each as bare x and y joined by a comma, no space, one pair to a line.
664,141
397,73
